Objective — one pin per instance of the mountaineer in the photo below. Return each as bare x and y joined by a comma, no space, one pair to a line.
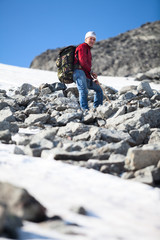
83,76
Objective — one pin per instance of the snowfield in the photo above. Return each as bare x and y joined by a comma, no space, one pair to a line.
117,209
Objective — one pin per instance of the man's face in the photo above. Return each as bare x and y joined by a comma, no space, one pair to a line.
90,41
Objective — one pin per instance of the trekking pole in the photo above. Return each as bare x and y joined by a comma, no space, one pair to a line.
103,91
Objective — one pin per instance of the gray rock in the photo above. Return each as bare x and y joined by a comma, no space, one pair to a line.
20,203
36,146
32,108
156,174
122,110
149,175
114,165
9,102
101,122
24,100
145,102
41,143
60,154
95,133
89,118
105,151
126,89
156,96
127,96
48,134
138,158
35,118
45,91
155,136
127,175
6,115
57,86
105,112
145,175
71,91
141,135
3,104
63,103
18,150
152,75
22,140
79,210
72,129
5,136
12,127
25,89
111,135
71,146
20,116
144,86
82,137
68,117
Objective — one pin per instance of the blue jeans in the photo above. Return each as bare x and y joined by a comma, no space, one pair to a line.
83,84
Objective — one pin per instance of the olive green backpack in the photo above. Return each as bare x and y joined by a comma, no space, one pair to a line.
65,64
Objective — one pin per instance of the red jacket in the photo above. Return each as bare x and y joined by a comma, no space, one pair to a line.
83,57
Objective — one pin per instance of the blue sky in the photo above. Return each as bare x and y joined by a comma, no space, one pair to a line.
30,27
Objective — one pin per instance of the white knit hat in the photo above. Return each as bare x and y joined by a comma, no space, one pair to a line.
90,34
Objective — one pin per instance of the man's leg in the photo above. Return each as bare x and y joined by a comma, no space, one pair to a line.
98,97
80,78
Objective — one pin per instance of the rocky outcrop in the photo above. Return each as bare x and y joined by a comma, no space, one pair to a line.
130,53
117,138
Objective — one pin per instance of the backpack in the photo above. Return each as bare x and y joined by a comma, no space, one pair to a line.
65,64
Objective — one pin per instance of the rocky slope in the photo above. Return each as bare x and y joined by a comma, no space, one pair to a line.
120,138
127,54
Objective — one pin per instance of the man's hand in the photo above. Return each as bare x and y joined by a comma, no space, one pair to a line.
94,75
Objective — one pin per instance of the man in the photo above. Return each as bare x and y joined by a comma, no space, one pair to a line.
83,76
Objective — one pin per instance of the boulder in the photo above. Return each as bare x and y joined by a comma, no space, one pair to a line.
145,87
7,115
141,135
72,129
126,89
153,75
68,117
20,203
5,136
25,89
138,158
154,137
105,151
12,127
37,118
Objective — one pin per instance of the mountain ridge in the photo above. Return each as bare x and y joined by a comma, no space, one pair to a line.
129,53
